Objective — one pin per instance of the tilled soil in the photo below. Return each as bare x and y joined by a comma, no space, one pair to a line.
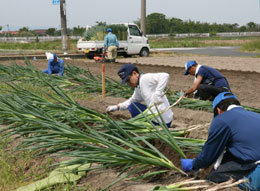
242,73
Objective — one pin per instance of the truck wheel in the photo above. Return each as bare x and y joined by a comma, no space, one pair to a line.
144,52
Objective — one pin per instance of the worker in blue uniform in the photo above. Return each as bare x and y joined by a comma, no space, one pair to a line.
233,143
110,45
208,82
55,66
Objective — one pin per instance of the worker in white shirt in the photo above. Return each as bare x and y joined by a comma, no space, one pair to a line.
148,88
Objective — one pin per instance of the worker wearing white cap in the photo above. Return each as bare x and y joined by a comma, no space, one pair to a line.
55,66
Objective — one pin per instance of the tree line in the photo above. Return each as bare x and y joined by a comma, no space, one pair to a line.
25,32
157,23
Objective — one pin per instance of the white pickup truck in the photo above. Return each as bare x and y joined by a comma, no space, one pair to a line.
135,44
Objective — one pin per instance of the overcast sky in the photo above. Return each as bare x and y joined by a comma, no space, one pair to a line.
42,14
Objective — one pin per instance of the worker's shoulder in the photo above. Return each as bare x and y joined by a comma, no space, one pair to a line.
59,59
150,76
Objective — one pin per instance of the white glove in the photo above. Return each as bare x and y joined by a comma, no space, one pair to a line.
112,108
157,98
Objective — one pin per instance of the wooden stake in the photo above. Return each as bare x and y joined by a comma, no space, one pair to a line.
103,82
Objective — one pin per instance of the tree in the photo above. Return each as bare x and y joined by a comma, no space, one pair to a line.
100,23
235,26
26,32
251,26
156,23
78,31
24,29
51,31
176,26
242,29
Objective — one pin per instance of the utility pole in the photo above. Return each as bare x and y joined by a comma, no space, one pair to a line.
64,36
8,31
143,16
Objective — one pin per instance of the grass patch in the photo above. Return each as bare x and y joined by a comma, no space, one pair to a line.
200,42
253,46
172,43
46,45
19,167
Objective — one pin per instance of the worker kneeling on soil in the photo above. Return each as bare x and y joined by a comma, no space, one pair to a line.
237,132
111,44
148,88
55,66
208,82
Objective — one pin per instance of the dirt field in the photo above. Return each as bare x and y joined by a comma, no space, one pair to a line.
242,73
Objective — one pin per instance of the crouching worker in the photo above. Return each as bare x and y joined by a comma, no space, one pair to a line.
55,66
208,82
148,88
237,132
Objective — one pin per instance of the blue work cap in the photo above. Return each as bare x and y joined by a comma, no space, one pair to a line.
109,30
54,56
188,65
222,96
125,71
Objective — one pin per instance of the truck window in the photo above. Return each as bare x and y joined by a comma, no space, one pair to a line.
134,31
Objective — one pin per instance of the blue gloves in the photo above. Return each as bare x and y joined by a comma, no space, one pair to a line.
180,93
186,165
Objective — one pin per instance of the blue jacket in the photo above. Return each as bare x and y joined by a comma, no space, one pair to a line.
238,131
111,40
56,67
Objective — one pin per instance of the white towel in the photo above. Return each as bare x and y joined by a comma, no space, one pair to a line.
219,160
49,55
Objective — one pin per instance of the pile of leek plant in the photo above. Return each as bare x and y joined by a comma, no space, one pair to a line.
93,84
54,127
192,184
64,106
185,185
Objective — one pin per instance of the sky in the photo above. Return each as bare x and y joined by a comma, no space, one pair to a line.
41,14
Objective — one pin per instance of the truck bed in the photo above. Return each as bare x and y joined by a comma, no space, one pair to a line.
93,45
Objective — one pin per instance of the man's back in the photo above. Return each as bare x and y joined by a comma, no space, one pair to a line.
244,132
110,40
211,73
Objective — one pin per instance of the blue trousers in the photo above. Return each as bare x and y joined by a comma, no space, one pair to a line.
134,111
253,181
59,72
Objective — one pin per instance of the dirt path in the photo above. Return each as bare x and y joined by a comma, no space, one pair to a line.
219,62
